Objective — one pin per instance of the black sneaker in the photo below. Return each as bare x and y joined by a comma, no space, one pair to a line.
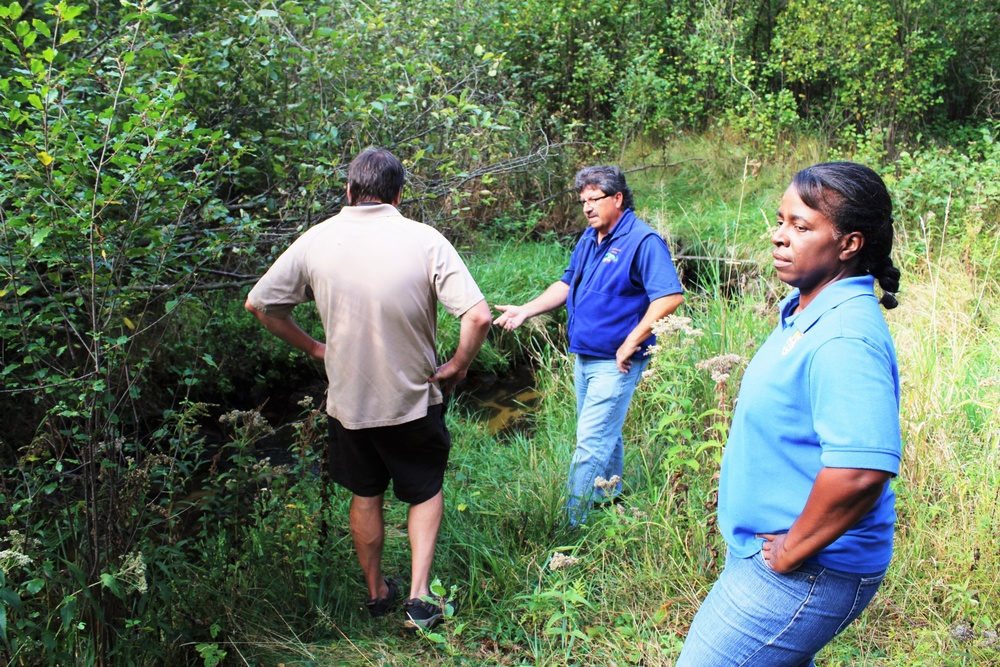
423,615
379,607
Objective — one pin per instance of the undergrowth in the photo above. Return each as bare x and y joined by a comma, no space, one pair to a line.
237,559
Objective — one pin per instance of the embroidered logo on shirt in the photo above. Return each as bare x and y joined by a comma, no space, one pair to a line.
790,343
611,255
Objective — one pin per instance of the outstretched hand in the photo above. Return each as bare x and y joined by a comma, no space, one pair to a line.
511,317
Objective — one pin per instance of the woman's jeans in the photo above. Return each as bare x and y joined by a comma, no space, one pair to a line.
603,394
755,617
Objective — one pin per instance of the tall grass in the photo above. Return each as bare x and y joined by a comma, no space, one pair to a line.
282,585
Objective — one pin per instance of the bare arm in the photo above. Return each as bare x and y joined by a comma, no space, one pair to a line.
658,309
287,330
554,296
472,332
840,497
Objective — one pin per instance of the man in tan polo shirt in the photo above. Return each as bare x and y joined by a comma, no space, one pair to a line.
376,279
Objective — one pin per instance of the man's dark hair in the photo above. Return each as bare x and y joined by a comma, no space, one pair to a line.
375,175
609,180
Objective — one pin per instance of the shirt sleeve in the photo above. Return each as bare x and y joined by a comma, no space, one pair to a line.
284,285
855,405
454,286
654,270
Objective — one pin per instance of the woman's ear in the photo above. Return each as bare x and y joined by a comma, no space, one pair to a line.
850,245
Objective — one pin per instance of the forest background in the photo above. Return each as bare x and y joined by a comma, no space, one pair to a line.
155,157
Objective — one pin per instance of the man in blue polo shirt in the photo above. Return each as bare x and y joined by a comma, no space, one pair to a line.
620,280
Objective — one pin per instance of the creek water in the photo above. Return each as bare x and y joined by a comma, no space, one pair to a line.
503,402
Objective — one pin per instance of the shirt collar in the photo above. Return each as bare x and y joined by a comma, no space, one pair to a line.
372,210
829,297
621,228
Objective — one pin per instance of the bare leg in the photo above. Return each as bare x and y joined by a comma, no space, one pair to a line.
424,523
368,531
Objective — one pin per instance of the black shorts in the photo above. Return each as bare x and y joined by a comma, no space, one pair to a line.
413,455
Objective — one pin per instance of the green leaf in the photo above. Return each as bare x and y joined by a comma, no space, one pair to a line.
109,582
69,12
35,101
67,610
69,36
34,585
41,27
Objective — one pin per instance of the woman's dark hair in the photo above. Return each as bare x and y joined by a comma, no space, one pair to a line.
375,175
609,180
855,199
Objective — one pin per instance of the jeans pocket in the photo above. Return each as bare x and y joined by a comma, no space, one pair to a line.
866,589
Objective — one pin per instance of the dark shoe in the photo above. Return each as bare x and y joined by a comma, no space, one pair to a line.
379,607
423,615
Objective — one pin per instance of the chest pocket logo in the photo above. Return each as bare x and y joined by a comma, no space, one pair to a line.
790,343
611,256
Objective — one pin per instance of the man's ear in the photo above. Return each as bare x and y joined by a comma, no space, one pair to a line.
399,198
348,194
850,245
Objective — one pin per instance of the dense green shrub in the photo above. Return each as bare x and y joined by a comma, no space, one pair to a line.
152,164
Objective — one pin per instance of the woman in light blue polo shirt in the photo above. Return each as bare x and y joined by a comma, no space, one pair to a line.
805,506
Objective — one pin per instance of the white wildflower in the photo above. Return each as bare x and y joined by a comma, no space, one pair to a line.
560,561
672,324
250,420
720,367
133,572
607,485
10,558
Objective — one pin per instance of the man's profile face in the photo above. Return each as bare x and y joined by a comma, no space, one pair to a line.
602,210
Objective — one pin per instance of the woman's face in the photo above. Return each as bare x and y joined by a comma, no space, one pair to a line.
808,251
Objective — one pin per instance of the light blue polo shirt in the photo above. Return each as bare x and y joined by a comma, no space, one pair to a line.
823,391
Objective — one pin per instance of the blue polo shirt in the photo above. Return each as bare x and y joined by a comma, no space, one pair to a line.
612,284
823,391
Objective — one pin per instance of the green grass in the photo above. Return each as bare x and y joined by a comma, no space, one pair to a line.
641,574
268,572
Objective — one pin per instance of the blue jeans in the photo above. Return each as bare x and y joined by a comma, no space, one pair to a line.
755,617
603,394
